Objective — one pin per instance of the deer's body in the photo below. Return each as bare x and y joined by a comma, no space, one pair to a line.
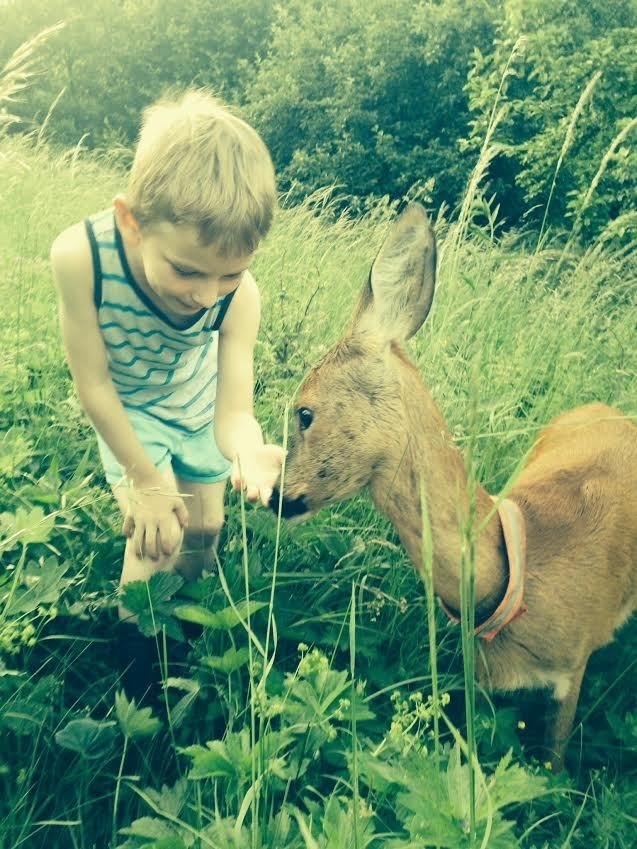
365,418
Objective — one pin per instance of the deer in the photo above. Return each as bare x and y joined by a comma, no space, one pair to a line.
555,559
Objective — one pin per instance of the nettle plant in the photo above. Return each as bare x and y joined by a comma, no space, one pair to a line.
298,762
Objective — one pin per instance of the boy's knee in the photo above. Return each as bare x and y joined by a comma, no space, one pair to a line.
141,568
198,550
205,535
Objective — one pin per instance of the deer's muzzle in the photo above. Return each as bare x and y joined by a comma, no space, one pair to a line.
290,507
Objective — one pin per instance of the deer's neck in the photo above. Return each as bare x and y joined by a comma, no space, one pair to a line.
428,456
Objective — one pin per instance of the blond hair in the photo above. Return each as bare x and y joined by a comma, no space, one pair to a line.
196,163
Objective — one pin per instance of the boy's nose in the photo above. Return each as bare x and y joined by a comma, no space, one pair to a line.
206,297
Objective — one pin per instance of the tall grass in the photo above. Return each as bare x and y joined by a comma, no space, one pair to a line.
20,71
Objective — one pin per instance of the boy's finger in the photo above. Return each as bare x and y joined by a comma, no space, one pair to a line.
235,475
181,512
252,492
151,542
174,536
137,540
128,526
168,540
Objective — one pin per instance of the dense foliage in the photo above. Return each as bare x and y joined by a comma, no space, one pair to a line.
376,97
570,87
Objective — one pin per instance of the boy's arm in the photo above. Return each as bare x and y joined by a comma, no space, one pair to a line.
256,466
151,518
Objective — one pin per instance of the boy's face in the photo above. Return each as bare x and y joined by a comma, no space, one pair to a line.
184,275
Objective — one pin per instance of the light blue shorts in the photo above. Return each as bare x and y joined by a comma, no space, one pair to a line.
192,456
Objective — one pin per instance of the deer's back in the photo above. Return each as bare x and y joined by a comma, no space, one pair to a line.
578,495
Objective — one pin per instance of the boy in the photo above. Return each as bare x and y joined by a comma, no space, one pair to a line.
159,316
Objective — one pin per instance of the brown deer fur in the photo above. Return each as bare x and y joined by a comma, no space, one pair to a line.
365,418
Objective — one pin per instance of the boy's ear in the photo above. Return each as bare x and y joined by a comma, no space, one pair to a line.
126,221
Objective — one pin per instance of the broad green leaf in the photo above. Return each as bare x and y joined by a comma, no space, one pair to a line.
164,585
170,800
87,737
457,780
210,761
153,828
153,604
226,619
40,584
230,758
230,661
135,722
203,588
510,784
25,527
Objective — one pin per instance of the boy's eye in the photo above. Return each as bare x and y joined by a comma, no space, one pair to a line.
185,272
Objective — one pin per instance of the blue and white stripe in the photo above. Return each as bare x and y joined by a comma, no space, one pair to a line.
161,369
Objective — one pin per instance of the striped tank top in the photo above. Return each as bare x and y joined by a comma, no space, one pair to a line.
157,368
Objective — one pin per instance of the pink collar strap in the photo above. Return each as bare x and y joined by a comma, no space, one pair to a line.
512,604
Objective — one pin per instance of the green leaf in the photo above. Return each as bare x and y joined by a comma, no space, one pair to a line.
339,827
139,596
25,527
162,833
211,761
153,604
164,585
40,584
135,722
226,619
26,711
457,780
270,751
170,800
15,450
377,774
203,588
230,758
342,828
510,784
230,661
92,740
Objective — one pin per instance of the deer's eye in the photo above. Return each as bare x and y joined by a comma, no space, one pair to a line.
305,417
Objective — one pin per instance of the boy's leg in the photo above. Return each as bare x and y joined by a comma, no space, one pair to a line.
138,568
139,656
205,504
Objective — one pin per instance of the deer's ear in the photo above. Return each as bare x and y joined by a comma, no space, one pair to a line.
398,295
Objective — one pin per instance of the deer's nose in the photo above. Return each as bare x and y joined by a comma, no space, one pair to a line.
290,507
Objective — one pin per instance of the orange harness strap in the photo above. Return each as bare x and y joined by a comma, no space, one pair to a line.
512,604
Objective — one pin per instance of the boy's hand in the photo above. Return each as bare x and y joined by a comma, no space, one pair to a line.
256,472
155,520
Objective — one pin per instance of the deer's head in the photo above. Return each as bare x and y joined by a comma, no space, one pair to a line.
349,409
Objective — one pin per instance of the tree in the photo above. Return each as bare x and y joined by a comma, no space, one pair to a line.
570,91
116,56
369,94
